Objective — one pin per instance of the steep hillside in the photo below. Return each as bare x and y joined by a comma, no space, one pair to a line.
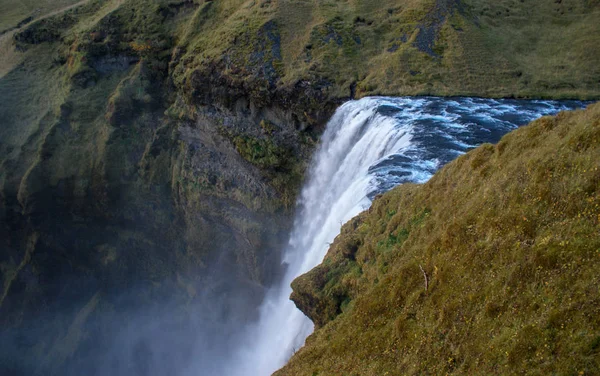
153,149
367,47
489,268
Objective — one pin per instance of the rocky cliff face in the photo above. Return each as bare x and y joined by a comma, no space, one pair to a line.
119,195
151,151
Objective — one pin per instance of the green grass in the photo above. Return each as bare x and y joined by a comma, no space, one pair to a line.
37,93
507,236
502,48
278,164
12,12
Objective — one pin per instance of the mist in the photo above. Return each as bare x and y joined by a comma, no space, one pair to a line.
115,335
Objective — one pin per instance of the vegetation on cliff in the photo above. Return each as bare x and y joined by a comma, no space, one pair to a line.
491,267
367,47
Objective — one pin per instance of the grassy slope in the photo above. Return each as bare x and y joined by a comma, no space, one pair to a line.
12,12
507,236
65,123
474,47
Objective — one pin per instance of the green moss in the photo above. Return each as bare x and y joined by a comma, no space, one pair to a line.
267,127
260,152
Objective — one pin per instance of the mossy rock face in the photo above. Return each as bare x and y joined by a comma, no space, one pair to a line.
324,292
116,196
489,267
49,30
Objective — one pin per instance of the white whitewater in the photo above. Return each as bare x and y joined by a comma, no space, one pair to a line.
369,146
336,190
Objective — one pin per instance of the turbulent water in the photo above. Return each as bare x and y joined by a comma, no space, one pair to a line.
369,146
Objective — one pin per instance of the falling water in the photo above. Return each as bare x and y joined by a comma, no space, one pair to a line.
369,146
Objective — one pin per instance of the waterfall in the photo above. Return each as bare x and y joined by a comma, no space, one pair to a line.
369,146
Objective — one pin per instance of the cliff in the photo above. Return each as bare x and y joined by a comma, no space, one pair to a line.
151,150
491,267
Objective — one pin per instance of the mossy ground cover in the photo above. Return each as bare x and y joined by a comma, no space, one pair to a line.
489,268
